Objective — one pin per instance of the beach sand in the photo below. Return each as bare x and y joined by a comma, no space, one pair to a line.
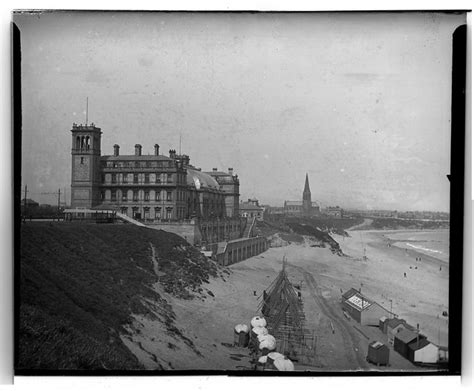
323,276
420,297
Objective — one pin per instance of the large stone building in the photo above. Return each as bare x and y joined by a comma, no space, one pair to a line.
147,187
302,208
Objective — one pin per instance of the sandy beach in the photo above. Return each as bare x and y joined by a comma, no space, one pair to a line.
420,297
208,322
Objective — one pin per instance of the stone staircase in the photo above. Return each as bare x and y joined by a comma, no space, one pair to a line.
249,228
129,219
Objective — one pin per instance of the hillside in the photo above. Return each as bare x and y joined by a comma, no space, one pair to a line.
292,229
82,284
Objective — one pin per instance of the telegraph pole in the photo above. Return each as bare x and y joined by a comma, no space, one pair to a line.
26,192
59,200
24,204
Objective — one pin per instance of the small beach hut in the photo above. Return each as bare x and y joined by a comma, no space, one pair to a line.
403,339
443,354
378,353
362,309
423,351
241,335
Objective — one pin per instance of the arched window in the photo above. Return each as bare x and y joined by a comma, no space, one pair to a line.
78,142
87,142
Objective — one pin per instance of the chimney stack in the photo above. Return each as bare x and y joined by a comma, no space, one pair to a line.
231,171
172,153
138,150
214,169
157,149
116,149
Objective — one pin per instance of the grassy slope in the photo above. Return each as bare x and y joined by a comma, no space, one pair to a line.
80,285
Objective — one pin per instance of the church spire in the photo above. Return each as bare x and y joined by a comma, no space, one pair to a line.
306,185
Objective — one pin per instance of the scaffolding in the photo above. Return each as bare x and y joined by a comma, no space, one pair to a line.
282,307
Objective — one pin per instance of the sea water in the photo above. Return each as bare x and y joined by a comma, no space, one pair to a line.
434,243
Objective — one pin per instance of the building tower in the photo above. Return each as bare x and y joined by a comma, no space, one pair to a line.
307,204
85,175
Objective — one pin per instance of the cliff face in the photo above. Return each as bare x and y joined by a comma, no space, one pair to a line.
82,285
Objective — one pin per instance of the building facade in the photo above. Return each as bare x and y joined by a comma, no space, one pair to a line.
251,209
302,208
151,188
230,185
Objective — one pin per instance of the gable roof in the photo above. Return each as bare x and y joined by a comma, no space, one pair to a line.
419,345
407,336
394,322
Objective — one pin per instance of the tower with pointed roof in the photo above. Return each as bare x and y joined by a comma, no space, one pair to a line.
307,204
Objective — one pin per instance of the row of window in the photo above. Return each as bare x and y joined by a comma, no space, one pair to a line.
159,212
135,196
137,178
140,164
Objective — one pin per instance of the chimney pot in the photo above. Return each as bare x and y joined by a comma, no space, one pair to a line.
214,169
157,149
116,149
231,171
138,150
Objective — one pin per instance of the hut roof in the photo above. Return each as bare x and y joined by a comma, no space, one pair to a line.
377,344
394,322
417,345
351,292
408,336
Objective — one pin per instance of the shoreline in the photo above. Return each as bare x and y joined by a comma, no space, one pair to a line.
411,252
418,290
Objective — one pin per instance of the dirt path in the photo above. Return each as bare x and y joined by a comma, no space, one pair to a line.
349,341
365,223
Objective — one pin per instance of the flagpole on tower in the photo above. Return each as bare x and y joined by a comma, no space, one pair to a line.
87,110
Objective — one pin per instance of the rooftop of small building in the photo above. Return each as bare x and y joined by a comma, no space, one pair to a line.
351,292
394,322
407,336
420,344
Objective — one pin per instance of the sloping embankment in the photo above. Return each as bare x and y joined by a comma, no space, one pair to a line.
81,285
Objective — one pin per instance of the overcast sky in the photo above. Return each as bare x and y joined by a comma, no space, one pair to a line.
360,102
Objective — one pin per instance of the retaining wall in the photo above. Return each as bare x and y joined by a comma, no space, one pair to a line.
240,249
